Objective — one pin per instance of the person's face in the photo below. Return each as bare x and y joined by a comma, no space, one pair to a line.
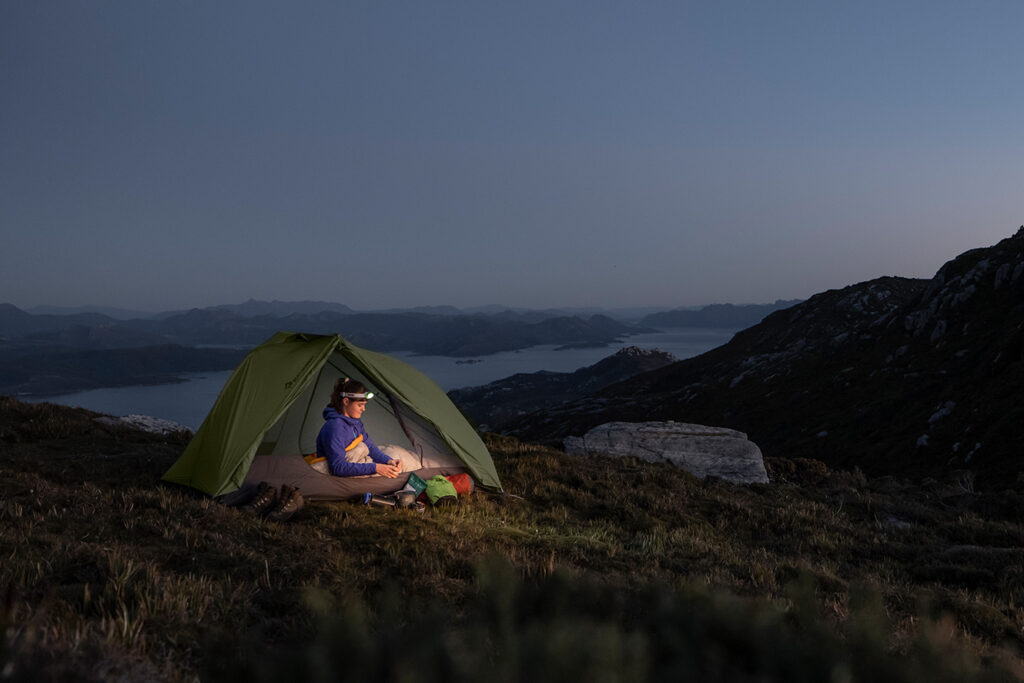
353,408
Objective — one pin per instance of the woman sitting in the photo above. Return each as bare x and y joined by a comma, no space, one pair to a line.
343,440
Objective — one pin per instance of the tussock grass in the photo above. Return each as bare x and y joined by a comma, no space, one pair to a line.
597,569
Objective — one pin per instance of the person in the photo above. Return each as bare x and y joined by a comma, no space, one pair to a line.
343,440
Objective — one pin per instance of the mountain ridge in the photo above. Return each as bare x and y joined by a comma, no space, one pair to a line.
890,375
717,315
431,330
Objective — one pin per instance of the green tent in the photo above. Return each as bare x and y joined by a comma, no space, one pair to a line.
269,413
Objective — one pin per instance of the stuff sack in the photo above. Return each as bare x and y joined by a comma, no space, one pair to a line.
440,491
463,483
416,483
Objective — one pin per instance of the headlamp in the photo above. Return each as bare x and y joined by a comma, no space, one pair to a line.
358,397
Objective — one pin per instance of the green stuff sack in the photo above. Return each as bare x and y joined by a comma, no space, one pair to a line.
440,491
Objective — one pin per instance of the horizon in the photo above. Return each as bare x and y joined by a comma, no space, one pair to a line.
171,156
495,307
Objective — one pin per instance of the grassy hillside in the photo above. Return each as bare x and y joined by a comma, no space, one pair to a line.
597,569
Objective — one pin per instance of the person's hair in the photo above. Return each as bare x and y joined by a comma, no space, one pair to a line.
344,385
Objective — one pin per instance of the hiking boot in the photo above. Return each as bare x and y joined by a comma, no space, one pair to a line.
266,496
291,501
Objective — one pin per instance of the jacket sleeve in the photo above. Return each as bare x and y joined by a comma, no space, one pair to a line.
340,437
344,468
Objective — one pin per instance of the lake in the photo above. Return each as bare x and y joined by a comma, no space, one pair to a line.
188,402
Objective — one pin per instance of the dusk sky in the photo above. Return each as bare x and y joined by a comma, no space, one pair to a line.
164,155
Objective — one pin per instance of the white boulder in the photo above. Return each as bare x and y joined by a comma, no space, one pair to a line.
146,423
703,451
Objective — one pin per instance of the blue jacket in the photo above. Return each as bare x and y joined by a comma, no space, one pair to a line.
341,433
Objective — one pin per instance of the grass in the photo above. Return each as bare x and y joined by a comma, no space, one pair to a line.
600,569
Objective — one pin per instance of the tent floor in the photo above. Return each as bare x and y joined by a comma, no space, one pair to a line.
293,470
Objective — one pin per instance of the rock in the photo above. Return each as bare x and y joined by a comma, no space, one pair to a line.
703,451
153,425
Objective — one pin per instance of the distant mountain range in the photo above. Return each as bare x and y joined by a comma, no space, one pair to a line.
35,347
893,375
109,311
716,315
440,330
253,308
722,315
41,373
453,335
15,322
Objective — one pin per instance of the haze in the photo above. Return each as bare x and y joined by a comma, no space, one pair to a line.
160,155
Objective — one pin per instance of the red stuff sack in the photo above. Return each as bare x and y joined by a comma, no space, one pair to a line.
463,483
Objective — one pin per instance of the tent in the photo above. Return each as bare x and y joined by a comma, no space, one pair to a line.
269,412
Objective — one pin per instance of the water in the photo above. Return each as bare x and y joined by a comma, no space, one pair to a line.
188,402
455,373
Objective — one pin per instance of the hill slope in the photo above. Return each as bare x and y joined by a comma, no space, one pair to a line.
493,404
602,569
892,375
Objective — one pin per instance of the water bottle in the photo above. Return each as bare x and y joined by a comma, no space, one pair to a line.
374,499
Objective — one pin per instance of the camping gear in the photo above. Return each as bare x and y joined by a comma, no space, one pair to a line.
416,484
264,499
405,499
289,502
374,499
395,500
463,483
269,413
439,488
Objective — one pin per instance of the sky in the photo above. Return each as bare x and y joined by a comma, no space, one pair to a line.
188,153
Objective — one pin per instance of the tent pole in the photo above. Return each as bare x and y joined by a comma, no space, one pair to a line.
305,413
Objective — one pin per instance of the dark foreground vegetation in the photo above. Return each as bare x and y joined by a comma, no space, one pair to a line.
604,569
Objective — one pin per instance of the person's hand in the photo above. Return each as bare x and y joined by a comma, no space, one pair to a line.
397,463
389,470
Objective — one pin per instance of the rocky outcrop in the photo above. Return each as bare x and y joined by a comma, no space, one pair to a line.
145,423
703,451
